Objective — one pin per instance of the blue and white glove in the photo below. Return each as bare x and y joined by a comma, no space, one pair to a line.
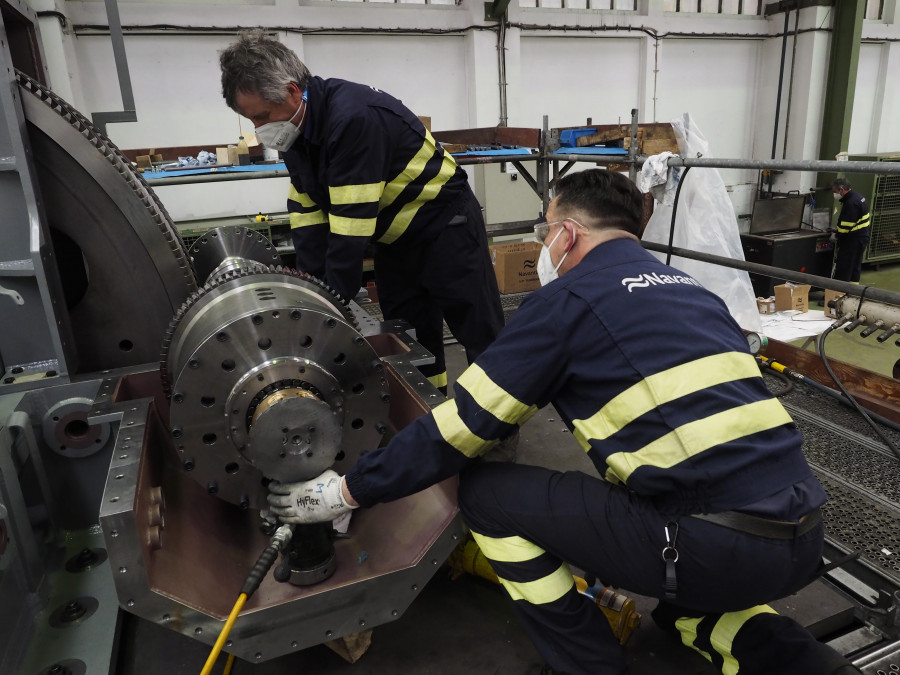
313,501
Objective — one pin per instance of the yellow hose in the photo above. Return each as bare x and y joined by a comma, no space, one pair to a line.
229,664
226,629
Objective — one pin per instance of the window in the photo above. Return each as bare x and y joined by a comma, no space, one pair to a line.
627,5
750,7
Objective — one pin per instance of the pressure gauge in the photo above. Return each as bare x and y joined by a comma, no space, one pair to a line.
757,342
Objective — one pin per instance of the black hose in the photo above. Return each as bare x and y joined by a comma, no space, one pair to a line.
674,212
821,347
788,385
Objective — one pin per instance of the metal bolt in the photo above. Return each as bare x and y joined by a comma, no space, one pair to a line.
73,611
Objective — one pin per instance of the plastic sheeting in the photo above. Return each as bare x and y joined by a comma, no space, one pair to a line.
705,222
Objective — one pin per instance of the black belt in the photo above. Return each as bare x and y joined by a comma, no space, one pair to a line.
762,527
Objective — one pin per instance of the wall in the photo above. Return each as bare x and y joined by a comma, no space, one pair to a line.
442,60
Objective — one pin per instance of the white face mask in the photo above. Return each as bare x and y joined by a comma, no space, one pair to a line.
281,135
545,269
837,195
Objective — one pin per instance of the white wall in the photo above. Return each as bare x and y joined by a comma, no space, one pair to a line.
567,64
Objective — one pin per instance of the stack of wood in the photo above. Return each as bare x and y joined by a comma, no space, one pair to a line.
652,139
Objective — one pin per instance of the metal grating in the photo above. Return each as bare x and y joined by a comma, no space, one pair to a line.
885,241
861,477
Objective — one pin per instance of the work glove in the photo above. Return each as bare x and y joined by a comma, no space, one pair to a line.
313,501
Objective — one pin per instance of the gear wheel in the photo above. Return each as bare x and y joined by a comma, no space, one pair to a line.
307,282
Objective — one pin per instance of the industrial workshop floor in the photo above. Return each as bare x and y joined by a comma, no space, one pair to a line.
465,625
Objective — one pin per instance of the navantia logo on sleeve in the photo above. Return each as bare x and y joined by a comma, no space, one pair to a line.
645,280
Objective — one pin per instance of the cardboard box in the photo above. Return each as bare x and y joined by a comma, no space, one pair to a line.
829,296
766,305
792,296
516,266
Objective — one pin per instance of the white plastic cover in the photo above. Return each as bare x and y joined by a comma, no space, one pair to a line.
705,222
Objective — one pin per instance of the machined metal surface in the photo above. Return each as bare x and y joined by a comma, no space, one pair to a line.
181,555
122,264
229,248
269,378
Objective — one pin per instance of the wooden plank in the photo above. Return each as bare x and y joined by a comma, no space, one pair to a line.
605,136
873,391
514,136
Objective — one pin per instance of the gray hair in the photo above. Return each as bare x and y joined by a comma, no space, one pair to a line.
841,184
258,64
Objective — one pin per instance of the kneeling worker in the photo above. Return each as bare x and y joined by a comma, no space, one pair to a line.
706,500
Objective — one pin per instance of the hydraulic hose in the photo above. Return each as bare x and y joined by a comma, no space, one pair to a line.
838,396
263,564
857,406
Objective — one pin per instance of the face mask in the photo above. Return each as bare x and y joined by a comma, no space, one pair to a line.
546,271
837,195
281,135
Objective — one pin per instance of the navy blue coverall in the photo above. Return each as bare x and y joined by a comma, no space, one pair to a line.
365,170
853,233
655,381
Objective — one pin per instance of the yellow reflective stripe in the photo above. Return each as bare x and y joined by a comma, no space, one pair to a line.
356,194
410,172
303,199
352,227
694,437
304,219
541,591
492,397
429,192
849,226
688,629
661,388
456,433
726,629
507,549
439,380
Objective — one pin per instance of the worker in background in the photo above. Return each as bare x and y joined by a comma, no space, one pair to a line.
852,231
365,170
705,499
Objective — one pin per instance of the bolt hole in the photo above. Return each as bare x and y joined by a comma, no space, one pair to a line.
257,319
228,365
231,468
340,358
209,439
207,401
357,423
306,342
126,345
264,343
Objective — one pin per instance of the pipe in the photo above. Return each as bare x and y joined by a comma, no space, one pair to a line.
778,97
855,290
501,69
787,115
880,168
